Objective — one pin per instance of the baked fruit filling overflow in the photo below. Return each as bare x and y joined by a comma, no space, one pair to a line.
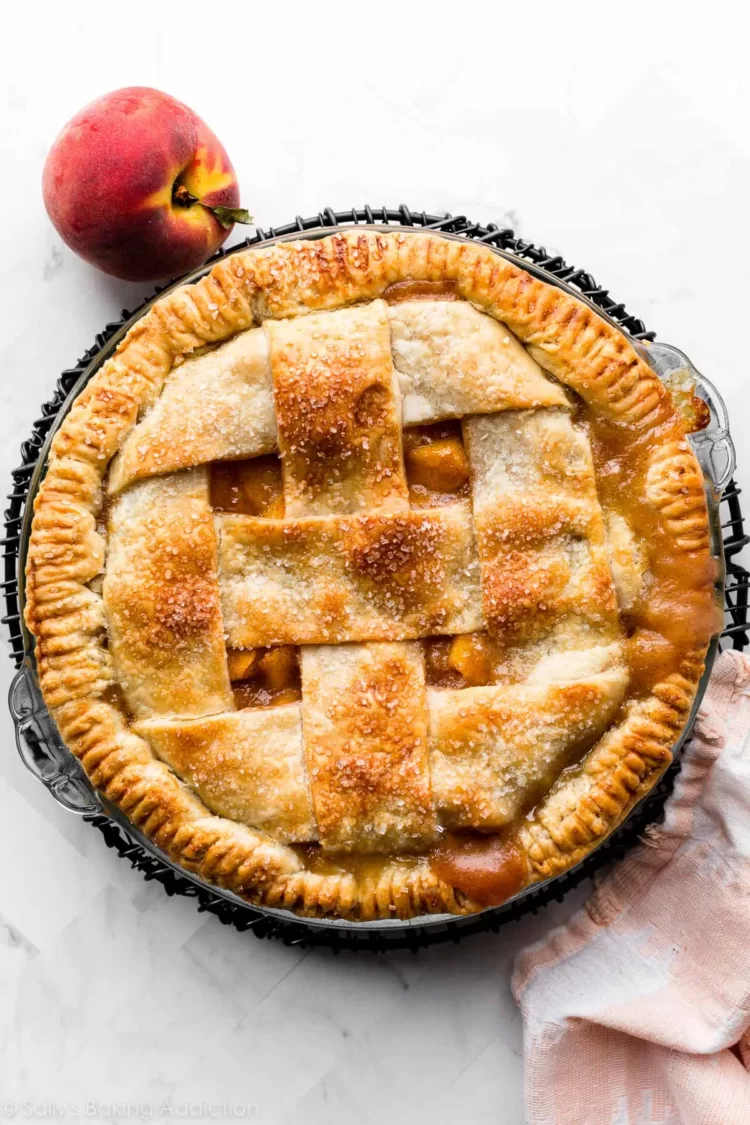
371,577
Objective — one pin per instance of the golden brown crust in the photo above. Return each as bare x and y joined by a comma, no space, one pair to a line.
366,744
538,524
377,577
613,777
337,411
233,385
495,749
454,361
245,765
565,337
161,598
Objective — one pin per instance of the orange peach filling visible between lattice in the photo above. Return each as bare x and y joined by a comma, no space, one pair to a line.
437,470
470,660
270,677
250,488
264,677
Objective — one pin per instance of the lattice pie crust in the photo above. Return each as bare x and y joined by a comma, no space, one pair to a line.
578,551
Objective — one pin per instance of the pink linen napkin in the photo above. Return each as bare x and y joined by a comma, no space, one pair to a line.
637,1011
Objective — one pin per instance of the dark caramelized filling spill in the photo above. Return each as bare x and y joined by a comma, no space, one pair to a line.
437,470
489,869
322,862
248,488
678,610
421,291
102,519
264,677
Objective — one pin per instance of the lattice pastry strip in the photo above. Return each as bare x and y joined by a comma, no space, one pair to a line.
338,413
539,527
161,598
246,765
373,577
453,360
213,407
365,725
494,749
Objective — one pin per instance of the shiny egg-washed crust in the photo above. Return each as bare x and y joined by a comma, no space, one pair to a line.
66,551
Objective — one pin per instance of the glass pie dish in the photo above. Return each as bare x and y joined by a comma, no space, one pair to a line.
45,754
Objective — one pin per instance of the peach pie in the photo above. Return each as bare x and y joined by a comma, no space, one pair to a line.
371,576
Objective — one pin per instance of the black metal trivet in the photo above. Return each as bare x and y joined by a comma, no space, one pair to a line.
406,936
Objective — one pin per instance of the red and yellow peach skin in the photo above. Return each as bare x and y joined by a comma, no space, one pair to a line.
110,180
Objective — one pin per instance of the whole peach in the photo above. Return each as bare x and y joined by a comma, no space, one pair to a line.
131,181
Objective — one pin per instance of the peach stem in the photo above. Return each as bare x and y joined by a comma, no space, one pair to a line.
227,216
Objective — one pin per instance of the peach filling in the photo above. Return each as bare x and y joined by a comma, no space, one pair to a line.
677,612
470,660
421,291
651,658
488,869
248,488
264,677
437,470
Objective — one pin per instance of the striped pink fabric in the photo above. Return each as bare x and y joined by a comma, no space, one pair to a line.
632,1009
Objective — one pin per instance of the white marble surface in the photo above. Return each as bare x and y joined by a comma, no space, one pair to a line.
625,148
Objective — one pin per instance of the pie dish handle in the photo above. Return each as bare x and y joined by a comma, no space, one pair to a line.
713,444
43,751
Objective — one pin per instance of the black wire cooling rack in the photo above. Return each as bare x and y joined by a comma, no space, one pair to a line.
412,936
